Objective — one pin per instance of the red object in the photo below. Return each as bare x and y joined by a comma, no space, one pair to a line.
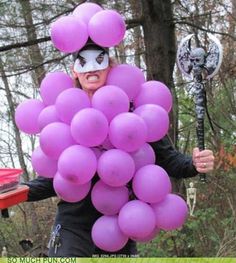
10,198
9,179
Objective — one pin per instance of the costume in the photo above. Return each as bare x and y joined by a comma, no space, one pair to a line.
77,219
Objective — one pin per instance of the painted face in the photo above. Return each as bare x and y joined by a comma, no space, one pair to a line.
91,60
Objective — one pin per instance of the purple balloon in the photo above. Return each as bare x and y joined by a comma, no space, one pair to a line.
110,100
85,11
107,28
26,116
143,156
89,127
136,219
109,200
148,238
69,34
115,167
55,138
77,164
97,151
107,144
42,164
171,213
128,132
128,78
156,119
52,85
69,191
69,102
107,235
154,92
48,115
151,183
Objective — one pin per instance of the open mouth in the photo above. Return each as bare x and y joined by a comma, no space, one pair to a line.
92,78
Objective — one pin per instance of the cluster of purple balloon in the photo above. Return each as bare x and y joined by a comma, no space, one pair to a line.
80,137
104,27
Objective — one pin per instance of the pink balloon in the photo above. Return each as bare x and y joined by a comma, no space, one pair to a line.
151,183
85,11
77,164
143,156
171,213
26,116
154,92
89,127
107,145
48,115
156,119
55,138
97,151
115,167
128,78
69,102
136,219
42,164
69,34
69,191
110,100
128,132
107,28
109,200
52,85
148,238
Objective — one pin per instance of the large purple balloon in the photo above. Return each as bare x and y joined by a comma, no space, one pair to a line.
128,132
107,28
85,11
69,191
109,200
171,212
136,219
77,164
89,127
52,85
151,183
156,119
154,92
110,100
107,235
128,78
42,164
148,238
26,115
69,102
47,116
115,167
143,156
69,34
55,138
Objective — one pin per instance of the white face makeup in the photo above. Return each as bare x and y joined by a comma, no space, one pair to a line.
91,60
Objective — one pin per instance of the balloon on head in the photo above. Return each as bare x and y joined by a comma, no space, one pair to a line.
107,235
77,164
128,132
48,115
69,34
151,184
69,102
89,127
85,11
171,213
111,100
154,92
69,191
26,115
109,200
115,167
52,85
156,119
128,78
106,28
55,138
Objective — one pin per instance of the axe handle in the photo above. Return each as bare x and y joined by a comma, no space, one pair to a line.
201,142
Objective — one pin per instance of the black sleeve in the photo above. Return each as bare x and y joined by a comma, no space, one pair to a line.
175,163
40,188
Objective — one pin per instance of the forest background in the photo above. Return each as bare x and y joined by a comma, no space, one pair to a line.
154,30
